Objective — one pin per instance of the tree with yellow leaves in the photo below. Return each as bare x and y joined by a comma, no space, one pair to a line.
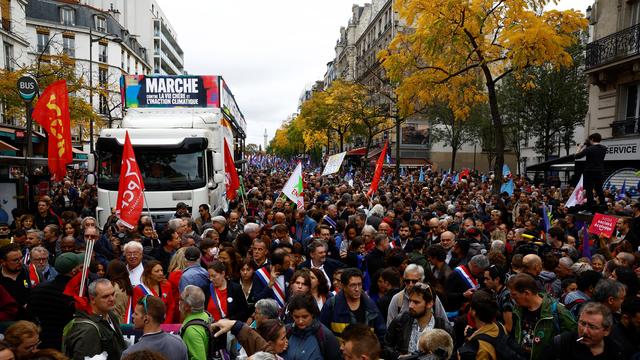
343,109
449,45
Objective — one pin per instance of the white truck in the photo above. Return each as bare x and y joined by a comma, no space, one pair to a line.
178,126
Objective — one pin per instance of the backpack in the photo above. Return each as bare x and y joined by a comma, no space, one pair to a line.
575,306
217,346
319,337
506,348
67,328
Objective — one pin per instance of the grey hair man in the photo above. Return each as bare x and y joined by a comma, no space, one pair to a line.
193,333
40,258
413,274
266,309
99,332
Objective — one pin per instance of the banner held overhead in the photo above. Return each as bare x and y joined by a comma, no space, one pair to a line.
333,164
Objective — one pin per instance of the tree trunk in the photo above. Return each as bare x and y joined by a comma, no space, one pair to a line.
397,147
454,152
498,130
341,141
365,162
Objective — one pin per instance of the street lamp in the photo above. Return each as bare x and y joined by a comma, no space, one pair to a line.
113,38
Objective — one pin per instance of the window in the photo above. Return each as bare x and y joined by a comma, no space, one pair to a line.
69,46
102,53
67,16
8,57
103,76
128,63
122,60
415,134
43,43
103,108
100,24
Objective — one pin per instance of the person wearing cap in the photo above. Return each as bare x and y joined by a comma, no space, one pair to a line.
48,303
194,273
182,210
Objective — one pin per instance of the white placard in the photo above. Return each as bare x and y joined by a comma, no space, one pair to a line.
333,164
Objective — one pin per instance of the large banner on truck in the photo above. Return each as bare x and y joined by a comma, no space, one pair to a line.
170,91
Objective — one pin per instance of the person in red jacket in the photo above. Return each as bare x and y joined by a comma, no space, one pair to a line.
154,283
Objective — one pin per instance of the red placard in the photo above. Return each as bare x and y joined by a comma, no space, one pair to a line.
603,225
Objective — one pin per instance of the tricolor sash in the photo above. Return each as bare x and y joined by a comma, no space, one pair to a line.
128,318
216,301
278,285
146,290
466,275
330,221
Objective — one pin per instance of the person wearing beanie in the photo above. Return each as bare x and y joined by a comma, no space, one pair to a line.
50,305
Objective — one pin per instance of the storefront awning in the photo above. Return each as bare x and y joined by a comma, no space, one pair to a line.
5,146
357,151
547,165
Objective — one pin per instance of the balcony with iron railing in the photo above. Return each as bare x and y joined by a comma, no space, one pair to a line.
617,46
626,127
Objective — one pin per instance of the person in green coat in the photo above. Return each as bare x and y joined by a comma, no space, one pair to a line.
195,336
537,318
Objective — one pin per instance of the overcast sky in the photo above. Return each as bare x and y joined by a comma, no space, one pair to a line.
267,51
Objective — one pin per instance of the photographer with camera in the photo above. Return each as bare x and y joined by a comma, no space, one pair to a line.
593,169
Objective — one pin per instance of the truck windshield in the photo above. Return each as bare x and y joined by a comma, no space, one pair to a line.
162,169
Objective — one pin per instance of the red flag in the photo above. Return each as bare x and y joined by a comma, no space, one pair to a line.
463,173
130,191
52,113
231,175
378,173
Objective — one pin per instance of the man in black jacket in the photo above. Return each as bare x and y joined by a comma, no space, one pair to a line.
405,330
376,258
593,169
49,306
592,340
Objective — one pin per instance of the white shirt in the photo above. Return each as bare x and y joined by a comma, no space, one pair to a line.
135,274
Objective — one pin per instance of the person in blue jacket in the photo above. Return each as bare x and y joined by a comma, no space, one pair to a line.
308,338
351,305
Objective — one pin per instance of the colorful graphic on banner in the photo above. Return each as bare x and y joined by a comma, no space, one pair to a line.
170,91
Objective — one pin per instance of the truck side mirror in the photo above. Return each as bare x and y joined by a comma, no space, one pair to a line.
218,163
218,178
91,163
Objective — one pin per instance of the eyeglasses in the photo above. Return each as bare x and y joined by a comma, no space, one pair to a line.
410,281
38,259
584,324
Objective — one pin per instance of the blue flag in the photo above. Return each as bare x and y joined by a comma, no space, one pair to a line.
402,173
586,247
388,158
507,187
444,178
623,191
545,216
421,178
505,170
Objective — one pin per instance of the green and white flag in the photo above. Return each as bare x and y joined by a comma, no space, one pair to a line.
294,187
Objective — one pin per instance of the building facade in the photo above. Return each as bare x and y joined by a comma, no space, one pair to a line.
613,66
145,20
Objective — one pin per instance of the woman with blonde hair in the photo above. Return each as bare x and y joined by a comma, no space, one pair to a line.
177,264
23,337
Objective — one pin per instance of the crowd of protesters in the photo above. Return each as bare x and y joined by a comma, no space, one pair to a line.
431,269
